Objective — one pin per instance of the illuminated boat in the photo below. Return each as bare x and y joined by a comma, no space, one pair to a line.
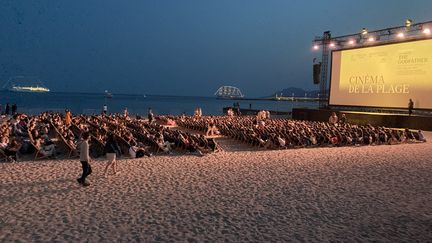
108,94
25,84
16,88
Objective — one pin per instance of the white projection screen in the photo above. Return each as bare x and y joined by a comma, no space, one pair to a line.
383,76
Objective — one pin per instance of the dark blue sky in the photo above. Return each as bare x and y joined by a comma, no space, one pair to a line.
187,47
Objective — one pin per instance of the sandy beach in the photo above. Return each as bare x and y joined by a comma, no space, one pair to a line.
368,193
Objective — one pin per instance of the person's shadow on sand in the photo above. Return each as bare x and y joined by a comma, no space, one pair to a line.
35,189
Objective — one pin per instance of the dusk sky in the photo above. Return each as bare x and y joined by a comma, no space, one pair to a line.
181,47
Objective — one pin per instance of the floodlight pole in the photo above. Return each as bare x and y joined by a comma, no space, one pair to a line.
323,93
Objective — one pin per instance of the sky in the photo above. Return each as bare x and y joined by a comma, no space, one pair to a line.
181,47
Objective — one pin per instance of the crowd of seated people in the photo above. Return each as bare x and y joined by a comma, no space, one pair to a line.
45,135
48,135
166,139
263,115
22,135
149,137
286,133
9,148
165,120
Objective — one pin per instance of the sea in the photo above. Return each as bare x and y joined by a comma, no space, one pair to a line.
92,103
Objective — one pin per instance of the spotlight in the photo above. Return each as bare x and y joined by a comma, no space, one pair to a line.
400,35
315,47
351,42
408,22
427,31
371,39
364,31
332,45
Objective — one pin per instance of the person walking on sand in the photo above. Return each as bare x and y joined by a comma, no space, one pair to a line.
7,109
85,159
410,107
150,116
111,149
14,109
104,109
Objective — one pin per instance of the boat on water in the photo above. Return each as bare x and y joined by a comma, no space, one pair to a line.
16,88
25,84
108,94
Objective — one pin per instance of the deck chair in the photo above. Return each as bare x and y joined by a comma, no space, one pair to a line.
37,153
62,143
161,148
71,150
261,142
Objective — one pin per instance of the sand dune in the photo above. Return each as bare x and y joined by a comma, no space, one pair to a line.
373,193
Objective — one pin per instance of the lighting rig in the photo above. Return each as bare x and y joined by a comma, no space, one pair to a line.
409,31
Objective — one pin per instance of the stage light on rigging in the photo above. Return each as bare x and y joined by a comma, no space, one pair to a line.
408,22
332,45
315,47
371,39
351,42
427,31
364,31
400,35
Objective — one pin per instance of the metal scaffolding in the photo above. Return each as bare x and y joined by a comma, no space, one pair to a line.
410,31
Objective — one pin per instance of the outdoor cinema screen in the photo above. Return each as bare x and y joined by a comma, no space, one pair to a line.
383,76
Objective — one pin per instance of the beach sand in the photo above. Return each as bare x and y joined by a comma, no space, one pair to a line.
370,193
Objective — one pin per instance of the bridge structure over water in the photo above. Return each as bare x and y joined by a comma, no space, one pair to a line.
229,92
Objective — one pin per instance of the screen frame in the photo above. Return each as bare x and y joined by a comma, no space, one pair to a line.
361,47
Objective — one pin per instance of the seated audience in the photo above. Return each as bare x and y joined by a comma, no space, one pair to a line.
136,151
333,119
